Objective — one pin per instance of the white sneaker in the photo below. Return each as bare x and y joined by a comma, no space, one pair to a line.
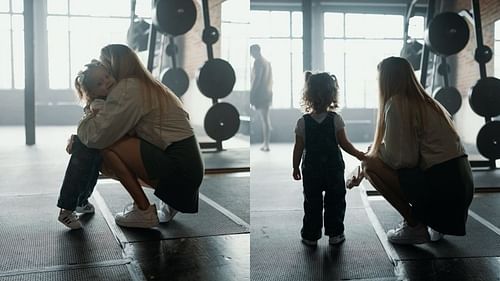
336,239
405,234
69,219
132,216
434,235
311,243
166,213
85,209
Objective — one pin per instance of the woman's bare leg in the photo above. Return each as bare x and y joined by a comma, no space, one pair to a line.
124,159
386,181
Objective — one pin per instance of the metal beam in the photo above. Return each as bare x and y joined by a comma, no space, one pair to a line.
29,72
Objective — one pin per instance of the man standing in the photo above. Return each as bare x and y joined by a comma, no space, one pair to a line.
261,93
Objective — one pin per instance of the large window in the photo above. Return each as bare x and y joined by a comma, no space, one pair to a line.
12,44
353,46
496,49
279,33
77,30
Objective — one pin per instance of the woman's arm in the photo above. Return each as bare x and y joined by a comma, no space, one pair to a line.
298,149
121,112
347,146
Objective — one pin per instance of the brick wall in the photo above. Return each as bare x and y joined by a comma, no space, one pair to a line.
465,70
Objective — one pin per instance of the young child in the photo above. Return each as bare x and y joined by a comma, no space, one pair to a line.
318,135
92,85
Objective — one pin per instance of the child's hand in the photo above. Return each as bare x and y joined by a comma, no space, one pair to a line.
69,146
355,178
296,174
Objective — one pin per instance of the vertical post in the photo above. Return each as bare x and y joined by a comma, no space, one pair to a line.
29,72
307,34
424,63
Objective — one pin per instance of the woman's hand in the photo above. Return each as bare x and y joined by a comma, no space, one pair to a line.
296,174
69,146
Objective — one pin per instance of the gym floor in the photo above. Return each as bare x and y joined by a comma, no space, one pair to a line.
276,218
210,245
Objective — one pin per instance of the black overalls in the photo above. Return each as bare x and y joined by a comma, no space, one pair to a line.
322,170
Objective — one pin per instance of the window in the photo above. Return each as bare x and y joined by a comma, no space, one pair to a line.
12,44
496,50
279,34
234,41
77,30
353,46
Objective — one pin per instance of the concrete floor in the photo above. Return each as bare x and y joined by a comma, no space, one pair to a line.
211,245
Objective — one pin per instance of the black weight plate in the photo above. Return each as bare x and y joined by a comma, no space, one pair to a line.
450,98
216,78
447,34
222,121
174,17
176,79
488,140
484,98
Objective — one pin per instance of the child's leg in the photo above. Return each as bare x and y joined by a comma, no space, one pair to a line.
313,209
83,199
79,175
335,204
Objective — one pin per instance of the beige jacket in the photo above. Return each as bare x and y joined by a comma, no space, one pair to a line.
161,123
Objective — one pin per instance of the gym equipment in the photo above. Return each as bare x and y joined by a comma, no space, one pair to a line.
447,34
488,140
216,79
483,54
174,17
412,51
222,121
210,35
176,79
449,98
484,98
138,34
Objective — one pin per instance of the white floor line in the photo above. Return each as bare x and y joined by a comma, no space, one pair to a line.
379,230
133,267
225,211
484,222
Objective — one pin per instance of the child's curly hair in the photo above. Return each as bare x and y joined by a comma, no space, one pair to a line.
320,92
82,81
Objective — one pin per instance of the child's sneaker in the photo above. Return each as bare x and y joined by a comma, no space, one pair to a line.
405,234
337,239
132,216
311,243
85,209
434,235
69,219
166,213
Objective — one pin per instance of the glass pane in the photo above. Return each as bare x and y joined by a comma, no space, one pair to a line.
259,23
236,11
416,27
57,6
234,49
334,63
143,8
17,22
334,24
4,6
374,26
297,24
18,48
497,30
17,6
57,36
100,8
5,50
280,24
297,73
497,59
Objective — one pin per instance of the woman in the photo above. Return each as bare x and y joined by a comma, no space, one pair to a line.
417,161
145,136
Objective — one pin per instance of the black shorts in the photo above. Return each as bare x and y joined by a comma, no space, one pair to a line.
179,170
441,195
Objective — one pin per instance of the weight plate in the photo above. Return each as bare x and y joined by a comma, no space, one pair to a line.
216,78
488,140
447,34
484,98
174,17
176,79
222,121
449,98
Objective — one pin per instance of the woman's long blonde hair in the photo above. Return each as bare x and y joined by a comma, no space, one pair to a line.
123,63
396,77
